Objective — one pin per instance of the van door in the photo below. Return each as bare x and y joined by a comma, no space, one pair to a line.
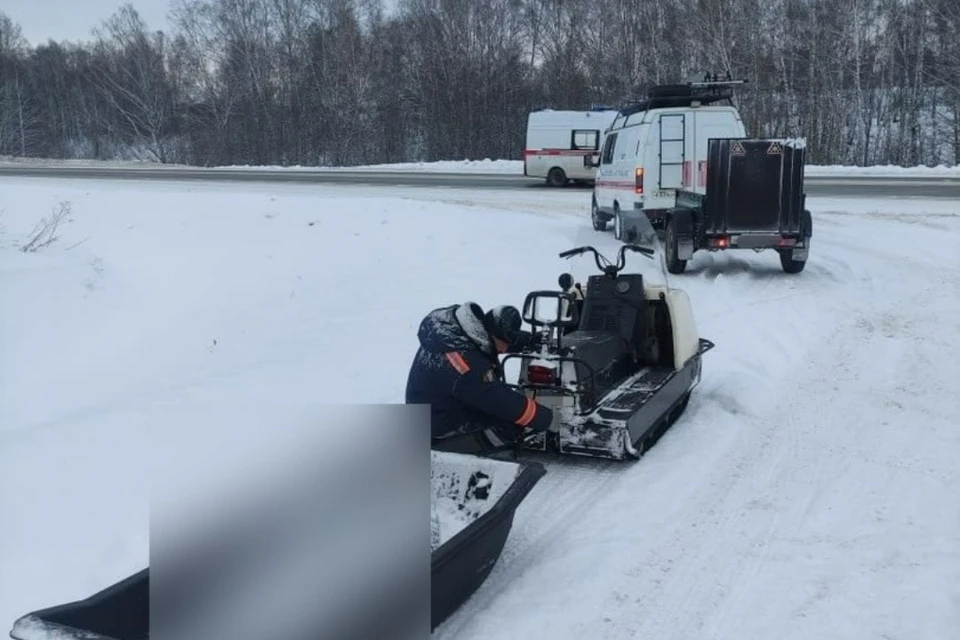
665,153
605,183
583,144
672,152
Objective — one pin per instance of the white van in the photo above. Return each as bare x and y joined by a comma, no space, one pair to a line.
560,144
658,146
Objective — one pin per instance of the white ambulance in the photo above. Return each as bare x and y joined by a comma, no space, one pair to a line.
560,144
657,146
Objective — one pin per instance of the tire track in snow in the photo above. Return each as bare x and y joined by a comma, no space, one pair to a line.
710,595
710,566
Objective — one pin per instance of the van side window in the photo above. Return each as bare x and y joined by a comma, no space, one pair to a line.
608,146
585,139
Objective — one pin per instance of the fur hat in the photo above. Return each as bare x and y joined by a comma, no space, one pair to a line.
503,323
470,317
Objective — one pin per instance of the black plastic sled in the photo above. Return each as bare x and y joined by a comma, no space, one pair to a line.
474,500
119,612
479,496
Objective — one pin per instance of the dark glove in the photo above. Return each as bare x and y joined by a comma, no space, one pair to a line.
541,423
524,340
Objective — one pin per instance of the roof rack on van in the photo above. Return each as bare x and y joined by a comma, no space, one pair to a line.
703,92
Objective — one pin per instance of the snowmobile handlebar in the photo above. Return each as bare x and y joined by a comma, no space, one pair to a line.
603,263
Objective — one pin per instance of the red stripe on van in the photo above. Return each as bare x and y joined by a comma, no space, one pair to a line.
558,152
616,184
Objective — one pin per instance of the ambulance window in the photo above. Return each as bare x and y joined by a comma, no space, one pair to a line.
585,139
608,146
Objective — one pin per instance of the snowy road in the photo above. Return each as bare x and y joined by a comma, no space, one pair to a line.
872,182
809,491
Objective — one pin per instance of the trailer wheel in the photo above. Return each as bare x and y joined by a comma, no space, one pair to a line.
787,262
599,222
790,265
674,264
556,177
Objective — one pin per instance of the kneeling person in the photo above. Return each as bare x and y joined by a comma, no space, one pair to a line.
457,372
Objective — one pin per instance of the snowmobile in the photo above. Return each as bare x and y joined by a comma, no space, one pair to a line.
616,360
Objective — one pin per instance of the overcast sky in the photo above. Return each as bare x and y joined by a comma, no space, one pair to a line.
42,20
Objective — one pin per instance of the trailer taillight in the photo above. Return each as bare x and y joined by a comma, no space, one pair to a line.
638,184
720,243
538,374
788,242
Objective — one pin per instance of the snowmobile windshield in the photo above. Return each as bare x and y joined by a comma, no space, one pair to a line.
654,269
640,251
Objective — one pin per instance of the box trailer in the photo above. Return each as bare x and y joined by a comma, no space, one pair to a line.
754,199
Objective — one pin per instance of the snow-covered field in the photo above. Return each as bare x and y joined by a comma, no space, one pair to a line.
809,491
491,167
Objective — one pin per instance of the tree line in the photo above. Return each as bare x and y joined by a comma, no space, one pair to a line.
343,82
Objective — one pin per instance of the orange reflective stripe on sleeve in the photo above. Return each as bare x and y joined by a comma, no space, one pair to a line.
457,362
529,412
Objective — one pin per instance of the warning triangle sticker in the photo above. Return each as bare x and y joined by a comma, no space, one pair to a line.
738,149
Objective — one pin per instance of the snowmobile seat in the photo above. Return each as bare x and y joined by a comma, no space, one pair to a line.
613,311
599,349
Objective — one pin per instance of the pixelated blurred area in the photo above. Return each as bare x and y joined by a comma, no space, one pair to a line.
293,526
